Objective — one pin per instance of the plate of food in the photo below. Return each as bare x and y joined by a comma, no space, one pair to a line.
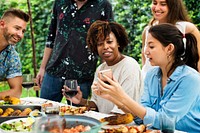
127,129
117,119
9,100
16,111
22,125
122,123
72,110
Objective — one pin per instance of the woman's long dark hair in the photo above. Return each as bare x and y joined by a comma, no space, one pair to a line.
167,33
177,12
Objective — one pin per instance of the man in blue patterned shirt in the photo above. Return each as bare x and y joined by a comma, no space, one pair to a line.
66,53
12,27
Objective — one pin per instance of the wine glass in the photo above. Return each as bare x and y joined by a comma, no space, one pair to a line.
28,82
72,85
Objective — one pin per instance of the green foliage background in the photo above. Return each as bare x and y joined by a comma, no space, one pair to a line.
41,14
132,14
135,15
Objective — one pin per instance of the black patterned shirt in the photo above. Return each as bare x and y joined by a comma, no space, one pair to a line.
71,57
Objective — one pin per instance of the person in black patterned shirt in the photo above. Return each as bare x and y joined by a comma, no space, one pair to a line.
66,53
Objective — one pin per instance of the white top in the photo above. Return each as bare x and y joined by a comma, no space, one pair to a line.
147,66
128,73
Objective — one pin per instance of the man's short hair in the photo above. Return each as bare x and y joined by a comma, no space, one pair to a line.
17,13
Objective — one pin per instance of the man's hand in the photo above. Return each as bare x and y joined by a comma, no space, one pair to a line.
40,77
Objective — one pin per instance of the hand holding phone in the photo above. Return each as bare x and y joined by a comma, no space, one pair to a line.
107,72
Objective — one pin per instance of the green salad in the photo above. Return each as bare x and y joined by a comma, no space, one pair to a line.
22,125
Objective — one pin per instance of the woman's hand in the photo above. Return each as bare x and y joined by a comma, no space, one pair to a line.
76,99
112,92
97,91
117,95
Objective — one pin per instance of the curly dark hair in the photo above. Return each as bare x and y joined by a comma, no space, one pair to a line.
99,30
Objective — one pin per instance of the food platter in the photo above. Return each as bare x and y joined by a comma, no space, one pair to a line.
106,128
17,107
27,123
44,124
72,110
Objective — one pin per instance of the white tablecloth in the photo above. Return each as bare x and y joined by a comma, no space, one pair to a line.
37,101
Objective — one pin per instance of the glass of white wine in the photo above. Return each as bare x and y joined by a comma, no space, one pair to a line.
28,82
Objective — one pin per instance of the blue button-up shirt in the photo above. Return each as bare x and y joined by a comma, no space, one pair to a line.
180,98
10,65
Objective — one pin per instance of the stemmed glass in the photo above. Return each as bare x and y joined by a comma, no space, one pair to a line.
72,85
28,82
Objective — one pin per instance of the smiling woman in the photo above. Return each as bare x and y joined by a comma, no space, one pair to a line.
173,12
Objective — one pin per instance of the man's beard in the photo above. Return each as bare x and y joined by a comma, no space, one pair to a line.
10,37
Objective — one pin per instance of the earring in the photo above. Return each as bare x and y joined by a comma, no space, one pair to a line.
168,57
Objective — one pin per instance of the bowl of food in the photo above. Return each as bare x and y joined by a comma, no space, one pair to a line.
67,123
22,125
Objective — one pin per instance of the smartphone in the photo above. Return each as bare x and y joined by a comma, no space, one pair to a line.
107,72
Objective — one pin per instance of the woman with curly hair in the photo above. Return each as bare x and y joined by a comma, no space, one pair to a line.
108,39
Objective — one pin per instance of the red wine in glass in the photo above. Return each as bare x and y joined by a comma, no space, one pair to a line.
72,85
71,93
27,85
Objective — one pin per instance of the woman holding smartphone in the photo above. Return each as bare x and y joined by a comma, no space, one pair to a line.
108,39
171,89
